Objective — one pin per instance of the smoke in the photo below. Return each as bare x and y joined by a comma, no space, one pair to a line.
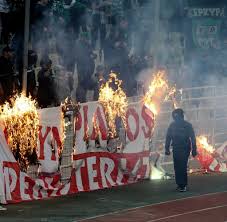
51,37
192,50
163,40
188,46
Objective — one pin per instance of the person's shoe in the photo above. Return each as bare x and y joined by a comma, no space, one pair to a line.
183,189
2,208
178,188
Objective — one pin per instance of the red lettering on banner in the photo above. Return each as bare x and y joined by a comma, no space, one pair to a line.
73,186
56,137
148,117
92,173
56,184
11,172
84,176
42,140
50,185
130,135
78,121
29,187
42,189
121,176
96,167
144,168
129,165
59,190
107,167
85,109
100,123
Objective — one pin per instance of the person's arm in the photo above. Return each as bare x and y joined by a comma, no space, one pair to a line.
193,141
168,141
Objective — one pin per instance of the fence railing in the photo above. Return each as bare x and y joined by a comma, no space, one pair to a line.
205,107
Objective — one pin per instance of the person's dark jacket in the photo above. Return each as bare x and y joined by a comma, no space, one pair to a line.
46,93
181,136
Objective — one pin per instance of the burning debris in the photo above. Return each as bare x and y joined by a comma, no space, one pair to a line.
114,101
205,152
21,121
202,143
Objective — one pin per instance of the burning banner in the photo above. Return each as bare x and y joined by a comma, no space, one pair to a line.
210,158
114,101
21,122
205,152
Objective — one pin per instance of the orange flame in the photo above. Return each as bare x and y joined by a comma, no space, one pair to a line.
172,95
22,123
158,90
114,100
202,143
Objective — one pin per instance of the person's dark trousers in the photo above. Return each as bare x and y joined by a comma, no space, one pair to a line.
180,160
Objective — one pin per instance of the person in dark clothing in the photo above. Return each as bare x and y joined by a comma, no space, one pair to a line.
7,75
99,80
85,66
31,78
181,136
46,94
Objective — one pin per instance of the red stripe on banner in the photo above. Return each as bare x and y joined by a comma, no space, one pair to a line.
111,155
217,168
93,171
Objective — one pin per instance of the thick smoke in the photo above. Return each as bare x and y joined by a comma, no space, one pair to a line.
168,39
192,50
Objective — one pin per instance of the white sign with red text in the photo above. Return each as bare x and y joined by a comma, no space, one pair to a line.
98,170
92,170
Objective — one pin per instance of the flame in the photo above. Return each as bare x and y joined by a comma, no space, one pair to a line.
21,121
172,95
202,143
64,123
159,89
114,100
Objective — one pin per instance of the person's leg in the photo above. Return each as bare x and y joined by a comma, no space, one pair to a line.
184,169
177,168
180,159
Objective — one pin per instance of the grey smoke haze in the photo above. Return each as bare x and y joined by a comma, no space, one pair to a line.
187,48
171,47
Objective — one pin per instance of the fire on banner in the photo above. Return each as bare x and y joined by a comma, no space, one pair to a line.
92,167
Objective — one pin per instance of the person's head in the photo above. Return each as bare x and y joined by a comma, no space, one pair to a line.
44,2
84,37
61,20
178,114
100,69
32,58
123,23
46,63
100,72
7,52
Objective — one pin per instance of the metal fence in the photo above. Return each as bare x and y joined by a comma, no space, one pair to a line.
205,107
